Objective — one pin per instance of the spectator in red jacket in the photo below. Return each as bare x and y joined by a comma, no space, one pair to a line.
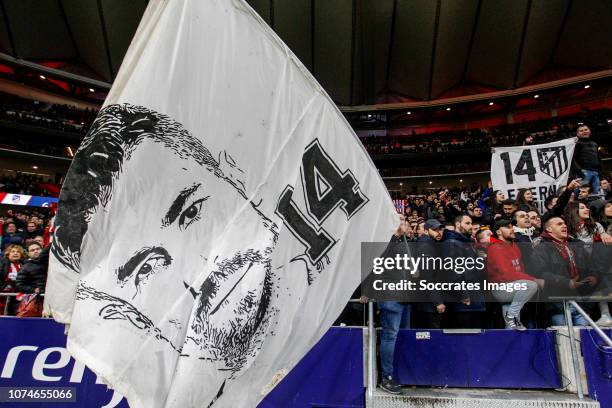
505,266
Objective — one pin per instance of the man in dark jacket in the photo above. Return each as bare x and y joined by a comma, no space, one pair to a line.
587,162
32,277
508,208
478,216
459,244
565,268
32,231
394,313
12,237
428,246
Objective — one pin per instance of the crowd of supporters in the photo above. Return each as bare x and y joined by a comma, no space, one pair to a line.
541,131
65,118
561,248
25,237
474,215
536,258
28,184
555,246
483,204
72,119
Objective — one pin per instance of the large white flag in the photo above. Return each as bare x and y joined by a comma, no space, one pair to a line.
541,168
209,228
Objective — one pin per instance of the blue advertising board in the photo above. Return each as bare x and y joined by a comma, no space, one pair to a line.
37,201
26,200
598,365
485,359
33,354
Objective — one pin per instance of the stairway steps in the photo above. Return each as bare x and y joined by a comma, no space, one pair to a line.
477,398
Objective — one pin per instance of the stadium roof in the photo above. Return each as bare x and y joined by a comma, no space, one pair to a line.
362,51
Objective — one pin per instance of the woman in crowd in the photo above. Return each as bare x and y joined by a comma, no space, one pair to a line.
10,265
494,207
524,199
605,217
581,226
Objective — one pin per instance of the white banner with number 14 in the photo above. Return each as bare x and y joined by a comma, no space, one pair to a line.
542,168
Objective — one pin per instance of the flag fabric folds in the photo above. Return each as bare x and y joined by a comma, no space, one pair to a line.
208,230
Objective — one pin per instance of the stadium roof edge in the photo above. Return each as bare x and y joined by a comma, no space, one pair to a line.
488,96
68,76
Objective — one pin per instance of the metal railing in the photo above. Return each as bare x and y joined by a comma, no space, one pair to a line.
371,330
371,379
371,357
570,329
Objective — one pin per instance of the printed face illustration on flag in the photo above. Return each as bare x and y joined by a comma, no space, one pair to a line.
209,228
146,280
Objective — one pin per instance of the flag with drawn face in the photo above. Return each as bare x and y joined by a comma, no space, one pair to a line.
209,228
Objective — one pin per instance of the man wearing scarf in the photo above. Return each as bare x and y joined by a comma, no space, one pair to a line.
565,268
525,235
523,229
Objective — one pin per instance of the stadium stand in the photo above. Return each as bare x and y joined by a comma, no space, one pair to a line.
65,118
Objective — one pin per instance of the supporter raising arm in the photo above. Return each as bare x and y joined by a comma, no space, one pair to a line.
559,208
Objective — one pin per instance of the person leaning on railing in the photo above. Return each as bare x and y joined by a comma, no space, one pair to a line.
468,310
394,314
33,275
10,265
505,265
565,266
428,245
595,239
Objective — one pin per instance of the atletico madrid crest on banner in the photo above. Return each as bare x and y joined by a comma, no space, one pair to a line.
553,161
